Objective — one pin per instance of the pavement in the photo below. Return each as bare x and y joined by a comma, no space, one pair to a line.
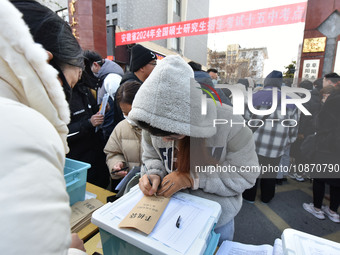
261,223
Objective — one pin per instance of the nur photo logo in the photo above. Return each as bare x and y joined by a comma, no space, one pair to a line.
239,101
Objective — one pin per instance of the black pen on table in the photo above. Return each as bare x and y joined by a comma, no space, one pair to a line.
122,169
178,222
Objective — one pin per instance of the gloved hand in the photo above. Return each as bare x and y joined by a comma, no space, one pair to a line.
174,182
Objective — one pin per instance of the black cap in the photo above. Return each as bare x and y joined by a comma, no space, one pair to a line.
141,56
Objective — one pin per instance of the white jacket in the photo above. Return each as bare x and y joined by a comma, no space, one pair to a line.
35,218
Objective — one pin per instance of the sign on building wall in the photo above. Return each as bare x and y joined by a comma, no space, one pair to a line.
72,18
317,44
274,16
310,69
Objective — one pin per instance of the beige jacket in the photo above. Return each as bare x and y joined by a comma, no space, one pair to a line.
34,117
124,145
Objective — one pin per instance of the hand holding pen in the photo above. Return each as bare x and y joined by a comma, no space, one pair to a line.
149,183
119,170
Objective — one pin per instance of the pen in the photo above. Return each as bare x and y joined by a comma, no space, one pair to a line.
123,169
178,222
147,174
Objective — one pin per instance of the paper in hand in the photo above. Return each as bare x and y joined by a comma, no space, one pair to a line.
104,103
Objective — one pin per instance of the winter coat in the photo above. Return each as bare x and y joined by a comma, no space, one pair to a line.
124,145
169,100
86,144
34,117
106,71
110,75
328,131
271,137
307,122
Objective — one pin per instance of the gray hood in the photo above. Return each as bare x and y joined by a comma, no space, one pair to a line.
110,67
170,99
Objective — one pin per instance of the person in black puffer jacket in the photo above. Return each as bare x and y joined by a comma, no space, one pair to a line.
327,155
84,142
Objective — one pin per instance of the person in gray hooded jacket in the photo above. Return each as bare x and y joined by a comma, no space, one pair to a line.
109,75
183,149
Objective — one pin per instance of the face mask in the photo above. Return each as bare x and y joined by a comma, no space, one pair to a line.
130,121
214,82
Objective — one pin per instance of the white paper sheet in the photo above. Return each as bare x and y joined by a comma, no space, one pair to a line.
235,248
192,217
165,231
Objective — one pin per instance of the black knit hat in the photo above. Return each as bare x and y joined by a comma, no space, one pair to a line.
140,57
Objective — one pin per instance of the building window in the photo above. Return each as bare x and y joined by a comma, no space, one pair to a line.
234,52
177,7
107,22
175,44
229,52
256,53
254,63
114,8
107,9
234,58
114,22
243,54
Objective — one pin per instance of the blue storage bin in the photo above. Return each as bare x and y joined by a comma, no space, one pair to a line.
75,173
114,245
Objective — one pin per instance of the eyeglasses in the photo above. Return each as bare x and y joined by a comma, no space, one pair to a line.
152,63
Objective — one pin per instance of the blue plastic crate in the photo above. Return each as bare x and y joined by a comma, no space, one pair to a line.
75,173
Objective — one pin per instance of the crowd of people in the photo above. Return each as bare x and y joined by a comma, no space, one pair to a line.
52,97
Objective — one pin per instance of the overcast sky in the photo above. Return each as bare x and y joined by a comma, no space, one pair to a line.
282,42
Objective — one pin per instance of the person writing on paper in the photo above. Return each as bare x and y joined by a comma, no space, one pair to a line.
34,117
123,149
183,149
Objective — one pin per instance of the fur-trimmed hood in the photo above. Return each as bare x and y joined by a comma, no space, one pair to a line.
171,100
25,75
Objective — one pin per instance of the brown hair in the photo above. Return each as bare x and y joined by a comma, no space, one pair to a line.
193,152
127,91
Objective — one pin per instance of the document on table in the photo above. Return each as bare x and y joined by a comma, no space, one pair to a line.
165,231
313,248
235,248
146,213
122,210
192,216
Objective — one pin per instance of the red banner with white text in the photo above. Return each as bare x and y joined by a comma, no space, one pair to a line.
273,16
